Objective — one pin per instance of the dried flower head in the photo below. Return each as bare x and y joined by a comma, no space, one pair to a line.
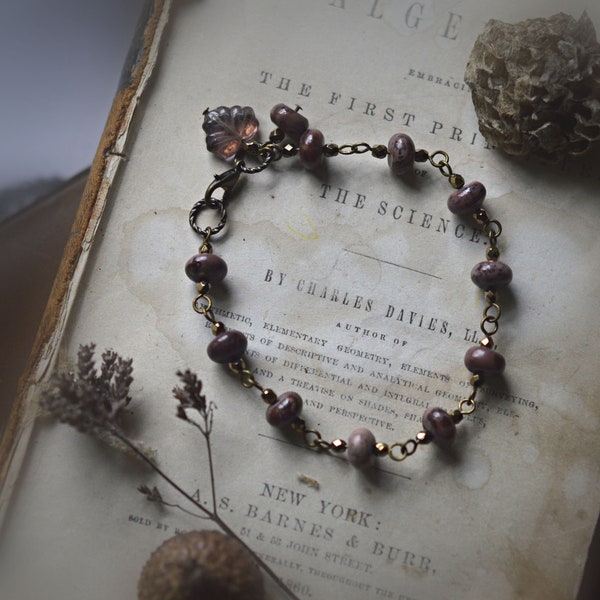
191,398
201,565
536,86
90,401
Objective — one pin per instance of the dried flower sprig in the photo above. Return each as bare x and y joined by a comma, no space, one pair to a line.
93,403
190,398
153,495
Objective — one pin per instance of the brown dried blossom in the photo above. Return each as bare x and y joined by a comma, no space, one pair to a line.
535,86
191,398
152,494
91,402
201,564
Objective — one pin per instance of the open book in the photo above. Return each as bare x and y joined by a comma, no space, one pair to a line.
353,289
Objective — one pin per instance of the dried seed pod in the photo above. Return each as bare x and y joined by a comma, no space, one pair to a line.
200,565
536,86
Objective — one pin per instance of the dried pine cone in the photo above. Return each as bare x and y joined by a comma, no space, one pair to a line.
200,565
536,86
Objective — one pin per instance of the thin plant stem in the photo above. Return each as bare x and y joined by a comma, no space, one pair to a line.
179,507
213,516
212,472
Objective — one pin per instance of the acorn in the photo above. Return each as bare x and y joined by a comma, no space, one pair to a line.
201,565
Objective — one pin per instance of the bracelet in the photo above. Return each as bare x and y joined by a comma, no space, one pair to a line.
229,134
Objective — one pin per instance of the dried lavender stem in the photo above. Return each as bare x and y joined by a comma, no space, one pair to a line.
206,434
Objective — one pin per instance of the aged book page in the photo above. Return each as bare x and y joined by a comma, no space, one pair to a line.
353,288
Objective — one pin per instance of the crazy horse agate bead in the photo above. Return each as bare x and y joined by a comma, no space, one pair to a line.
440,425
227,347
290,121
401,153
468,199
484,361
206,267
310,149
284,410
491,275
360,448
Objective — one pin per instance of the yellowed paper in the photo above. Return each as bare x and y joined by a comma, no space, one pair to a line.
353,288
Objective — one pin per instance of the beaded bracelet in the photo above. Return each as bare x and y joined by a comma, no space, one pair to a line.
229,134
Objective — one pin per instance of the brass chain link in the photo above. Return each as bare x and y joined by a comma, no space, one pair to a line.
358,148
312,437
468,405
442,164
407,449
203,303
492,228
245,375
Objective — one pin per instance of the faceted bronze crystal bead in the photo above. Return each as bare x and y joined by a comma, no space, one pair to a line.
269,396
218,328
379,151
338,445
492,253
457,416
456,181
381,449
423,437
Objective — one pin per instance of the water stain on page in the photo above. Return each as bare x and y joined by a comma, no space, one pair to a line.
152,257
528,580
559,533
473,471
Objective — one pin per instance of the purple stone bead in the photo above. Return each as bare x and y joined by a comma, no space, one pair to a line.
440,425
285,410
484,361
401,157
227,347
206,267
360,448
290,121
468,199
491,275
311,148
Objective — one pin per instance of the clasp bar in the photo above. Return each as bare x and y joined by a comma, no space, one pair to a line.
225,181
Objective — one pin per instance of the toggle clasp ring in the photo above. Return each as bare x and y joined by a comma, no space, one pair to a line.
214,204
